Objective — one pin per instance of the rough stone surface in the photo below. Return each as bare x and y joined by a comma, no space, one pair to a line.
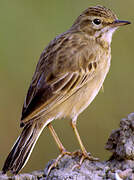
120,165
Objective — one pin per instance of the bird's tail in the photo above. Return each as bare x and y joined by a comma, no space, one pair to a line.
22,148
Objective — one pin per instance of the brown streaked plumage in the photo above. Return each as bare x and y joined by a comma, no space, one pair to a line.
70,72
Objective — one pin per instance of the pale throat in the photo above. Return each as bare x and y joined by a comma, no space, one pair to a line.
105,34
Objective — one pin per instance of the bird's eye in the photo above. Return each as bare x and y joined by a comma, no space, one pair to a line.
97,21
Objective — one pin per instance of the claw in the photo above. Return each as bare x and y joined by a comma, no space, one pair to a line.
83,156
76,166
89,157
54,165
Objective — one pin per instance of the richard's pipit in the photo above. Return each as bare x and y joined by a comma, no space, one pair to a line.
70,72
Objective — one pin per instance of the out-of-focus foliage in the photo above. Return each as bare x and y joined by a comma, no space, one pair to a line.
26,27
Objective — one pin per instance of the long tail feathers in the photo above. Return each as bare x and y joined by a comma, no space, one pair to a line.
22,148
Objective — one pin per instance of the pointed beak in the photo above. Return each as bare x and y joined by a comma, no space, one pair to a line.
117,23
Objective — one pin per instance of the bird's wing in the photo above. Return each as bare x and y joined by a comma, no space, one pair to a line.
59,74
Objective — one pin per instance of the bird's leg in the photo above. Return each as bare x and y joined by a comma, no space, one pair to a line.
60,146
85,155
56,138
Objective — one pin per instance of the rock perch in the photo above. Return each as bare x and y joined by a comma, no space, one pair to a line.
120,166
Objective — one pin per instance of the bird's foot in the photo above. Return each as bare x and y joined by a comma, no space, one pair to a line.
88,156
84,155
54,165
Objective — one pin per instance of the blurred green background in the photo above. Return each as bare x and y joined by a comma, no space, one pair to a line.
26,27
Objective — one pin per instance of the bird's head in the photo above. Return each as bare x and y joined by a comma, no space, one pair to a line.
98,22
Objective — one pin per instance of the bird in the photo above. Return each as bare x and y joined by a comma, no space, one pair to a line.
68,76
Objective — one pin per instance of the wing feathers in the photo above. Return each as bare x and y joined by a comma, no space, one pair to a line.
57,78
